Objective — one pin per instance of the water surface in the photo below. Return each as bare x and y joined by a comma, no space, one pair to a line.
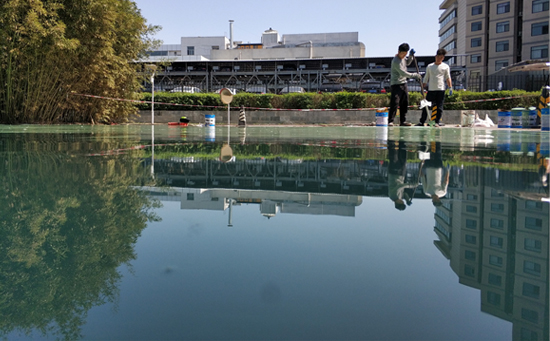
129,233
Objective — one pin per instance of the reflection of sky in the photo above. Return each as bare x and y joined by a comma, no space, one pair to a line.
373,276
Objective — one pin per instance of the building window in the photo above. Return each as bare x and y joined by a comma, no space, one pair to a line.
190,196
496,194
531,268
190,50
539,52
499,207
476,26
470,255
475,42
499,64
531,290
497,223
502,46
503,26
533,223
469,270
540,6
495,260
470,208
450,46
496,242
539,28
528,335
471,239
447,19
532,245
447,33
471,197
529,315
503,7
533,205
495,280
215,47
471,224
476,10
493,298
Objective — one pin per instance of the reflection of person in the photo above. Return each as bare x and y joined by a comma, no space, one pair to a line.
435,177
397,188
437,74
399,91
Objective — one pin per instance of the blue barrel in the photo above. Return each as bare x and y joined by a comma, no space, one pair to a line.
504,119
516,117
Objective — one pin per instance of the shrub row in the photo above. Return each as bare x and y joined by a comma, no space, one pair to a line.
339,100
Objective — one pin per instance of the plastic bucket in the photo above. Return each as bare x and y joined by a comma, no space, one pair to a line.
210,134
381,118
525,119
544,119
516,117
503,140
209,120
504,119
468,118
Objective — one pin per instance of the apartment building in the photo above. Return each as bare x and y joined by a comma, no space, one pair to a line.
494,34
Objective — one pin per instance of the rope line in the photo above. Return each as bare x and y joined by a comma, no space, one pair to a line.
282,109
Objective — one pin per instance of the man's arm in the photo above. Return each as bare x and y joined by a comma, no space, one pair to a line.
396,68
448,77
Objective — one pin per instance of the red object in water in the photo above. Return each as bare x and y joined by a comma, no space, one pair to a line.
181,124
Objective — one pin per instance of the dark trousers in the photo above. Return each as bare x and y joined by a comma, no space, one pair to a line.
397,155
437,98
399,98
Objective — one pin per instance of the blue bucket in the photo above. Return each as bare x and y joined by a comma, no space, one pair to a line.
209,120
504,119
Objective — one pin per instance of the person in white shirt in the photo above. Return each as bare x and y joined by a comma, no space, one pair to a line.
437,74
435,176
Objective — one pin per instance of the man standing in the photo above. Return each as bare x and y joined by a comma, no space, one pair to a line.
437,74
399,91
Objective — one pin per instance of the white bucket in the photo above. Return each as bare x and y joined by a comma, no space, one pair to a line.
209,120
381,118
468,117
210,134
504,119
381,138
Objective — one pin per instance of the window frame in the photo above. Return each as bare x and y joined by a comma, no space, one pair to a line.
504,26
505,44
503,7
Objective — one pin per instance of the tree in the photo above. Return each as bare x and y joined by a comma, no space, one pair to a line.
51,50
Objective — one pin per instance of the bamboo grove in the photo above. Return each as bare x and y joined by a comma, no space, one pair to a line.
53,49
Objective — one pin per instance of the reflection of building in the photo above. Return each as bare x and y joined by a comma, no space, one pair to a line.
497,242
270,202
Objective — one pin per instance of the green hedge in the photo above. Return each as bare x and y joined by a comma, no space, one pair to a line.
339,100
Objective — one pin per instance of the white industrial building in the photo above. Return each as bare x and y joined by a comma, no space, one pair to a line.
272,46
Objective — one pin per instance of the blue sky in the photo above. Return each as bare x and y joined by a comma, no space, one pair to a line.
382,25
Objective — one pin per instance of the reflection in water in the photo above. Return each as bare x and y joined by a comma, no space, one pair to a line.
491,223
72,219
66,225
